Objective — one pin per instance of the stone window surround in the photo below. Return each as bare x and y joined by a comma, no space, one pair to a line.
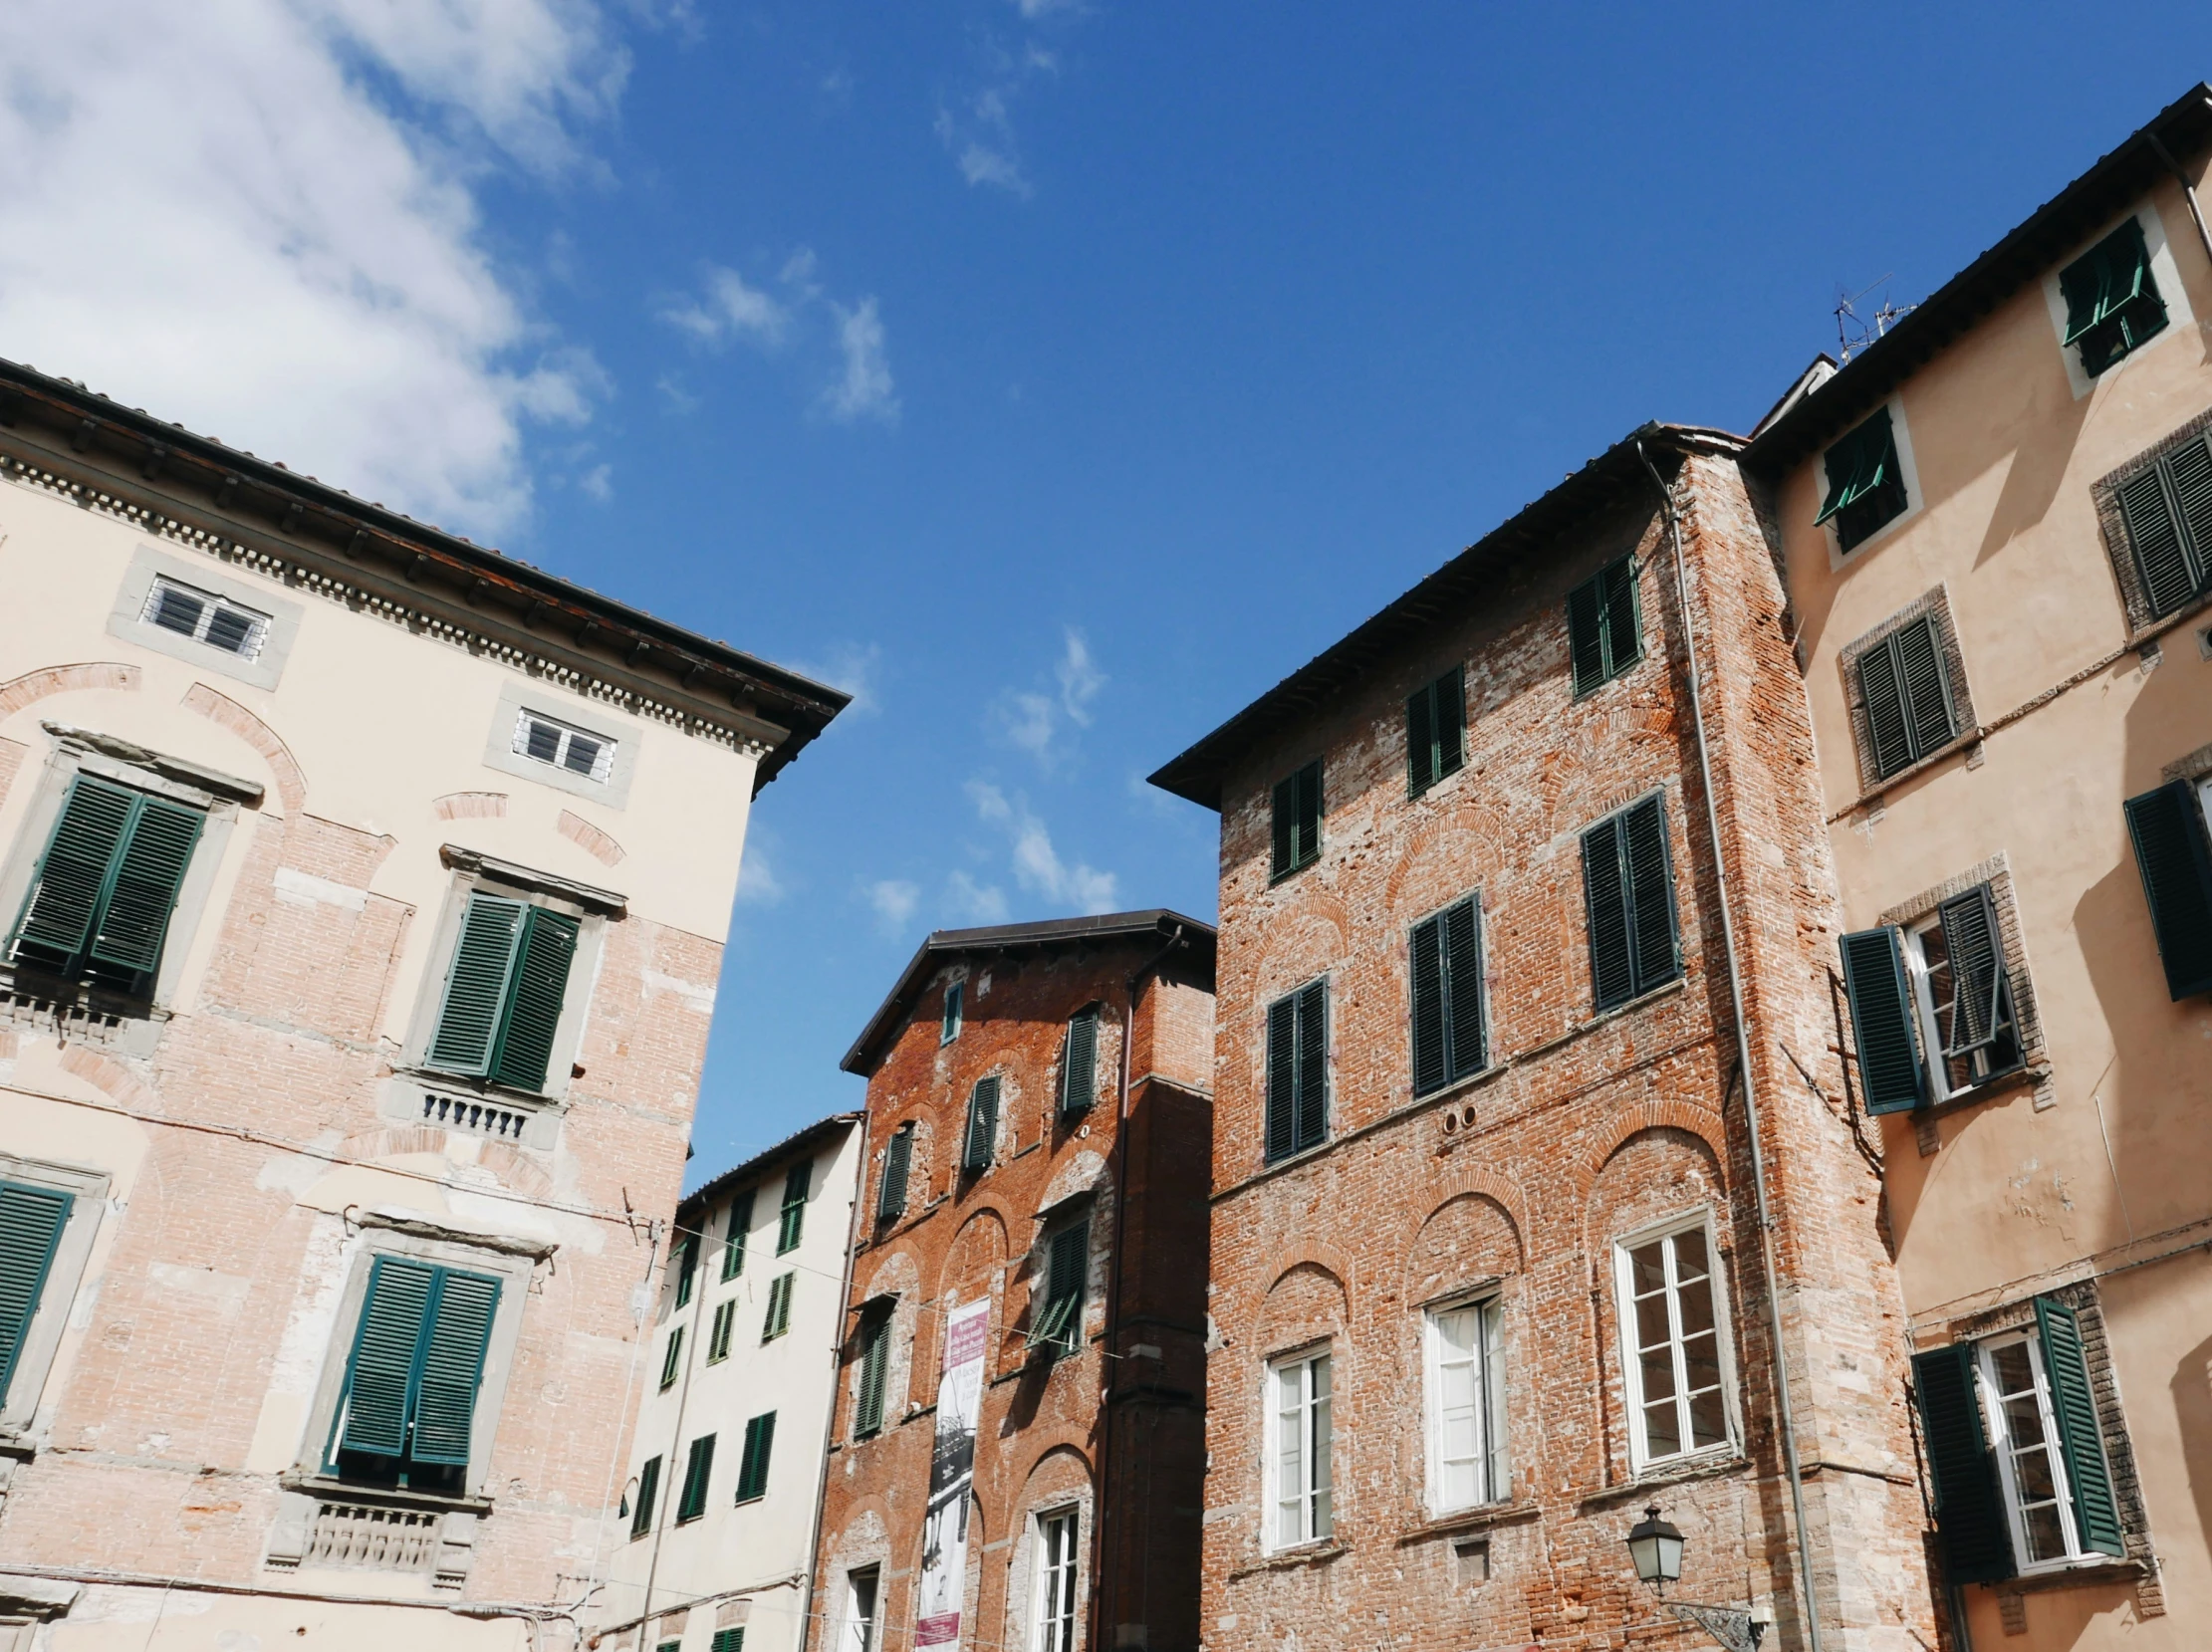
1915,500
89,1190
1937,602
593,719
1271,1546
1707,1218
2120,552
2180,317
127,619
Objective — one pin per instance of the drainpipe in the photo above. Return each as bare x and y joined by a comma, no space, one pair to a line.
2188,188
1743,1066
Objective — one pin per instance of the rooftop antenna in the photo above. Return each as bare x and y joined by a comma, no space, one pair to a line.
1853,331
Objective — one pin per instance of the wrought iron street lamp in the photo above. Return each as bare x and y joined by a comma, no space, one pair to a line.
1657,1548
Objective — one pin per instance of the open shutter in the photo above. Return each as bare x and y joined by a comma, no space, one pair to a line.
1312,1063
876,1354
1282,1077
1971,936
733,1241
1881,693
698,1469
1604,894
1463,976
31,1224
2080,1439
1969,1514
983,1125
1079,1063
1585,635
452,1367
752,1473
1420,740
1927,686
540,983
1857,465
73,873
1652,889
1308,811
1451,722
791,1218
1889,1071
2167,827
476,984
1431,1066
648,1487
380,1380
1623,621
891,1194
1286,826
148,871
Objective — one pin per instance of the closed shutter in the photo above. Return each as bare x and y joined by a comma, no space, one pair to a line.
671,1358
890,1193
476,984
1435,731
1285,825
752,1472
31,1224
2167,510
1613,967
148,872
1881,695
779,1308
1970,935
648,1487
108,882
72,876
1282,1077
1586,636
1889,1071
540,983
452,1367
2081,1438
792,1217
983,1125
875,1354
1651,895
1905,689
1313,1064
698,1469
2167,827
2190,473
1431,1064
1969,1511
1447,996
686,1264
1079,1063
1297,824
733,1243
1463,980
379,1381
728,1640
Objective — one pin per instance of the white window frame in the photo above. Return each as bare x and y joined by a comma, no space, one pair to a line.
49,1314
949,1024
1998,1424
565,737
1631,1371
860,1621
1053,1619
1314,1495
1930,1025
1493,1476
212,604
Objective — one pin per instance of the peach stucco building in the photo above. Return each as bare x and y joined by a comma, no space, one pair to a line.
364,895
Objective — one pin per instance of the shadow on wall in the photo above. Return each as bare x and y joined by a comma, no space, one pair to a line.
2049,425
2191,1388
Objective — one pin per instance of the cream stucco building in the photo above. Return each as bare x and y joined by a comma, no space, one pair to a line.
365,893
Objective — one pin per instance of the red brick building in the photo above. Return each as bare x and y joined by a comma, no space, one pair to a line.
1033,1203
1489,1275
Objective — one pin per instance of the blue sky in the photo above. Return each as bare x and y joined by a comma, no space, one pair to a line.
1055,373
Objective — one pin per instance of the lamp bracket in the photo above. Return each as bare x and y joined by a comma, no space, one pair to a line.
1732,1626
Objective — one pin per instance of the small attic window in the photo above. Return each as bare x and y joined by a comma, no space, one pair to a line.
560,746
206,617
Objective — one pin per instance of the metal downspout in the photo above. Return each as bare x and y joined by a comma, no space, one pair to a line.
2188,188
1743,1064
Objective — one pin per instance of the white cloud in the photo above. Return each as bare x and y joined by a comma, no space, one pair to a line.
1044,8
864,390
1037,865
1080,678
974,902
981,139
1031,719
894,900
757,883
852,666
599,483
727,310
214,211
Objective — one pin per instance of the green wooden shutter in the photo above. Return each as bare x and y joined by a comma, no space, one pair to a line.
1420,740
950,1027
791,1217
2112,299
1079,1063
452,1367
1308,813
1889,1071
534,1000
1463,984
1969,1512
1927,686
1859,465
1451,722
876,1354
1585,635
1282,1077
1604,894
1971,936
890,1192
1882,694
148,871
1284,860
1313,1064
2081,1438
779,1307
671,1358
2167,829
648,1487
752,1473
2169,566
718,1337
983,1125
476,984
380,1376
733,1243
1623,617
727,1640
2188,472
31,1224
699,1468
1652,938
1432,1056
1069,1261
72,876
686,1261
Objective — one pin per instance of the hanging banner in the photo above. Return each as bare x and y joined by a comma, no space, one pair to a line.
944,1537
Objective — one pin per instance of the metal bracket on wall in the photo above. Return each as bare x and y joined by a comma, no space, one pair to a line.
1733,1627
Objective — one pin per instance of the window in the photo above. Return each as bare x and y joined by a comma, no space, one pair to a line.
2166,509
951,1028
1298,1071
1675,1357
876,1359
1078,1063
1865,483
1629,882
1466,1406
779,1308
408,1406
560,745
752,1471
718,1338
686,1261
791,1221
1446,966
2112,299
1605,626
983,1126
105,886
1905,694
733,1239
1056,1326
1056,1583
731,1639
504,992
1299,1450
698,1466
890,1192
671,1359
1298,821
648,1487
1932,1004
2167,827
206,617
1435,732
860,1611
31,1224
2016,1451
